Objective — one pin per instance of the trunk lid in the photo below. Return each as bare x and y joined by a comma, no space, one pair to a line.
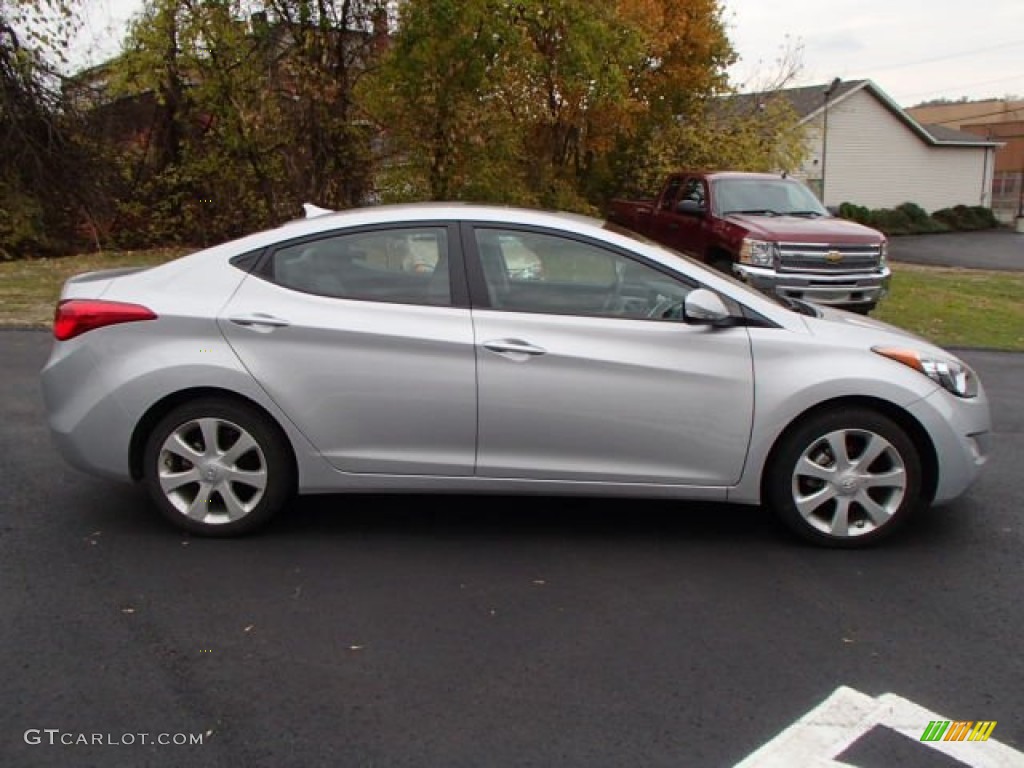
92,285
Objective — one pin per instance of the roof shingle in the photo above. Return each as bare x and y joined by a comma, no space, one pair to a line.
808,100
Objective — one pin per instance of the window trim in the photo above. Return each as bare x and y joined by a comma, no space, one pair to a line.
480,295
249,261
457,282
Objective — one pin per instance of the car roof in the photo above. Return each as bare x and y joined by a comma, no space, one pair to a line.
411,213
744,175
320,221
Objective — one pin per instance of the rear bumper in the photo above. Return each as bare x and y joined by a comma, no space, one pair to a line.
89,427
858,290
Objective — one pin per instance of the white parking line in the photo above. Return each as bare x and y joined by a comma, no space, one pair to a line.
828,730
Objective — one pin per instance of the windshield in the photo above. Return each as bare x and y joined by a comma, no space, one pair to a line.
765,197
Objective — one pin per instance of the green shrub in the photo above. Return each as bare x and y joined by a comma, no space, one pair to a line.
22,224
933,226
911,219
854,212
967,218
985,215
918,216
947,216
921,222
891,221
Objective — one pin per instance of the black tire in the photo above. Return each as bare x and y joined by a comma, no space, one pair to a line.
879,496
230,488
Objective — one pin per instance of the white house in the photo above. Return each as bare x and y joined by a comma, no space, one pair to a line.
875,154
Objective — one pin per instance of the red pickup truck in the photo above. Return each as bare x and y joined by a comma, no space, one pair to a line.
768,230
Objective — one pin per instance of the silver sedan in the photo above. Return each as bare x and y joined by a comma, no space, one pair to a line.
404,349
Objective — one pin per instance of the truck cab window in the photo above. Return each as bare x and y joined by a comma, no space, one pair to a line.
668,200
694,192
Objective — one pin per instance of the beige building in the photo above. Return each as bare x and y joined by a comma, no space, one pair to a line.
960,114
875,154
997,120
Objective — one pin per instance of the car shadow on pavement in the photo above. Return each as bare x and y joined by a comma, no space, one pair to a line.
558,518
529,516
124,510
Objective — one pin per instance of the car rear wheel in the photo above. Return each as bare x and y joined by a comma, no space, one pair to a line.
845,478
217,468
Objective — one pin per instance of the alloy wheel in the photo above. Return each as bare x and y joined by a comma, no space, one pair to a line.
212,471
849,482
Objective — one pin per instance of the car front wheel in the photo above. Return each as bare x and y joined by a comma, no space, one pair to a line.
217,468
845,478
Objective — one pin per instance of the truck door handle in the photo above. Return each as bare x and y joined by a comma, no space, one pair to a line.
513,348
643,210
259,321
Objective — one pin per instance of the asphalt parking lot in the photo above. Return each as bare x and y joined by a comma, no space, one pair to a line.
999,249
441,631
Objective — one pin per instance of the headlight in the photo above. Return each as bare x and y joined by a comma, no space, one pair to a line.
758,253
883,254
951,375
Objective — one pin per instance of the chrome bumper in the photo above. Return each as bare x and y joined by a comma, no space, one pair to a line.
860,290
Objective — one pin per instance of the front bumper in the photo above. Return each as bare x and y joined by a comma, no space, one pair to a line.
856,290
961,434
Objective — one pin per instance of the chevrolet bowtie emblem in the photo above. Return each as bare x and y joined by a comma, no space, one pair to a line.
833,257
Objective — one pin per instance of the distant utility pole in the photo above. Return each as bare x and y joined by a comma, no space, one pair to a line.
833,86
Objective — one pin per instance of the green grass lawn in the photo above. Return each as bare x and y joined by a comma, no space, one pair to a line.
29,289
952,307
957,307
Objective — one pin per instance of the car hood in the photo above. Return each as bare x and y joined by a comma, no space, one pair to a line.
804,229
850,329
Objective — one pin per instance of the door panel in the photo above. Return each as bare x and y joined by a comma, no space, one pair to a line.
377,387
584,375
613,400
688,233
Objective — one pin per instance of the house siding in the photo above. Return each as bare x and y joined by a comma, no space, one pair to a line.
876,160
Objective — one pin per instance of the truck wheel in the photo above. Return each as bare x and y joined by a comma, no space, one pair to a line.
845,478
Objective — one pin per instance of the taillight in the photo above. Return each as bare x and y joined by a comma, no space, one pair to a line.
76,316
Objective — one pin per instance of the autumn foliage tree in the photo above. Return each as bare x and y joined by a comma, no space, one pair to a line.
436,99
223,116
560,103
255,114
40,183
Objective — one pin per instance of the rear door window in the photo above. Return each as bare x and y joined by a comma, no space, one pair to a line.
406,265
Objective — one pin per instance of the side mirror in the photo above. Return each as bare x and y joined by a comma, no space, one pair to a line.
690,208
704,307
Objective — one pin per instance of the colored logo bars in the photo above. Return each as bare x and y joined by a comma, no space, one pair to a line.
959,730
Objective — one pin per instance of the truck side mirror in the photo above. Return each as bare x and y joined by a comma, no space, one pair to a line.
691,208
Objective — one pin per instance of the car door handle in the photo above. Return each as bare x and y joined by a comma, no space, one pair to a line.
259,320
513,347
